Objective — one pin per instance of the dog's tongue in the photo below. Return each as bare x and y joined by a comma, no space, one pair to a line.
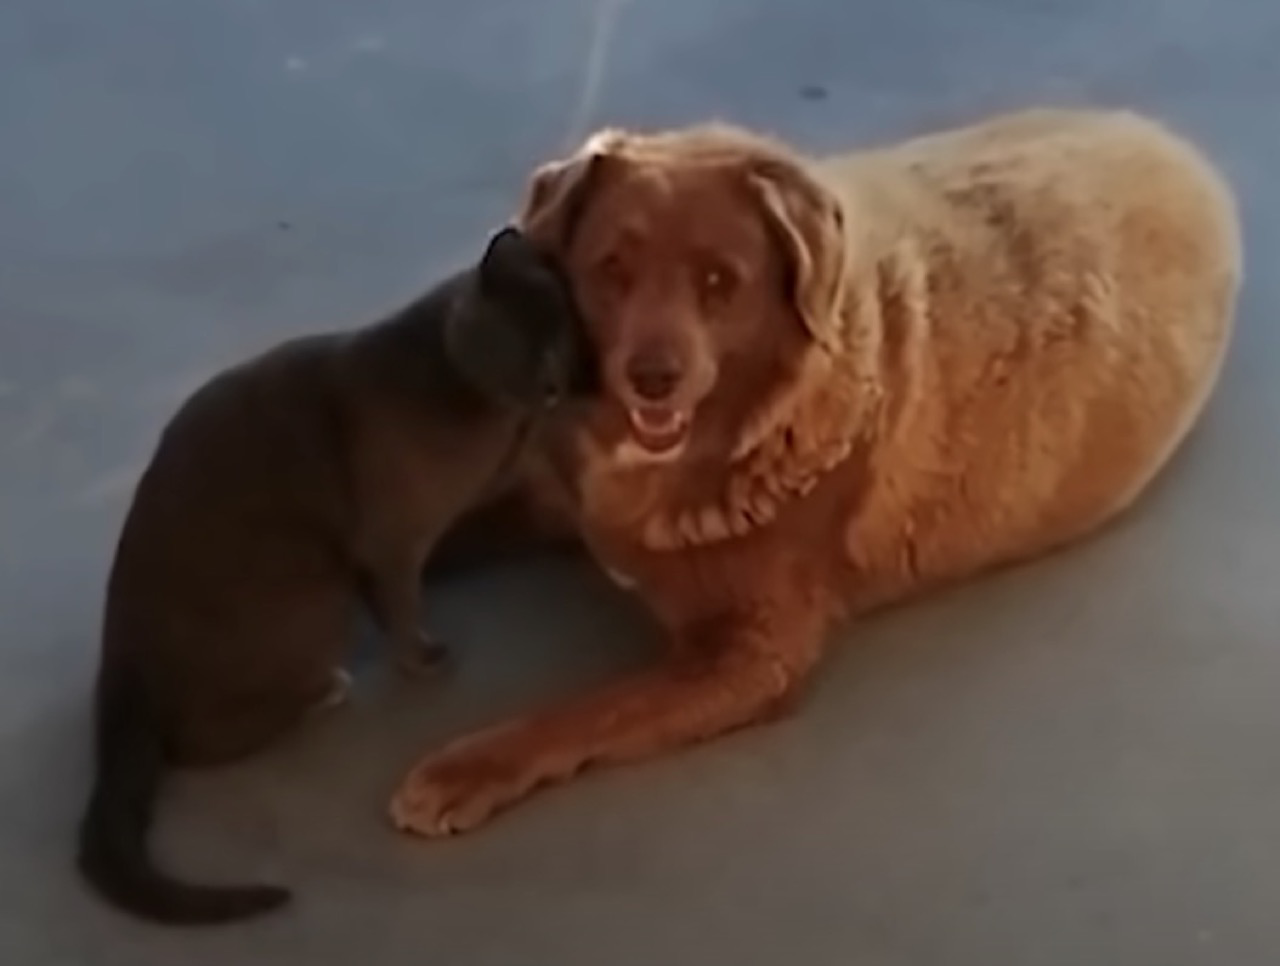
657,428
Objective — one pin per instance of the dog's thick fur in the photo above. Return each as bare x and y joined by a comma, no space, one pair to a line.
285,492
891,370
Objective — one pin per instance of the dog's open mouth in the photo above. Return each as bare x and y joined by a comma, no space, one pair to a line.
657,429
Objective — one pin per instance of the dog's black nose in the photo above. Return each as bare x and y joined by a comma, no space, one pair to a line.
653,375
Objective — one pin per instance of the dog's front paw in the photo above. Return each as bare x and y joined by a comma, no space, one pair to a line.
459,789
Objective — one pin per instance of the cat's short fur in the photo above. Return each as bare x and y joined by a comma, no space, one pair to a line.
286,492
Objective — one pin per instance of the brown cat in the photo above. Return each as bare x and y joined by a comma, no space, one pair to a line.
285,492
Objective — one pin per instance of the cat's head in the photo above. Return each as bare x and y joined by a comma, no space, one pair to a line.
516,333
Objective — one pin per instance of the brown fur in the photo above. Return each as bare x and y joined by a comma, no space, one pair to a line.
935,358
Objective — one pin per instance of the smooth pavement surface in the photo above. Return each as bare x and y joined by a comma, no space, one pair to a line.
1074,764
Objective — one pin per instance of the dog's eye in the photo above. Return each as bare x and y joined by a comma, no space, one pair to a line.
716,282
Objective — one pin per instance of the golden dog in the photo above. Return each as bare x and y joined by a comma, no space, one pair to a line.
834,384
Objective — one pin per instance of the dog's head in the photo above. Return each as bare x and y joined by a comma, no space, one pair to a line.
706,262
516,333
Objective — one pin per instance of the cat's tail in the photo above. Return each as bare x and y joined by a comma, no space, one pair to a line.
113,854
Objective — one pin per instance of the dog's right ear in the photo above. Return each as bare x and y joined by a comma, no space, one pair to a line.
558,190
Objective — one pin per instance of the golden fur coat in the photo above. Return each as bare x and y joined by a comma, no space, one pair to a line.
993,338
1040,306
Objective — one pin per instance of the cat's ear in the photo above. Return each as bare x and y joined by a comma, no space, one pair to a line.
520,336
509,260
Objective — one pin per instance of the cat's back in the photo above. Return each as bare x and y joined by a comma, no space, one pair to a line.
248,456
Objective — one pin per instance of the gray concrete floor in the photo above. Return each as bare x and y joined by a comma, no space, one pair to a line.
1071,764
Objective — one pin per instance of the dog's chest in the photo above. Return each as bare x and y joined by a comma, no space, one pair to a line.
689,583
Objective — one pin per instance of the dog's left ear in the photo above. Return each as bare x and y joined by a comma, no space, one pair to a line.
809,223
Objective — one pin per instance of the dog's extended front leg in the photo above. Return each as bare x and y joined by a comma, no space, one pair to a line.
723,675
